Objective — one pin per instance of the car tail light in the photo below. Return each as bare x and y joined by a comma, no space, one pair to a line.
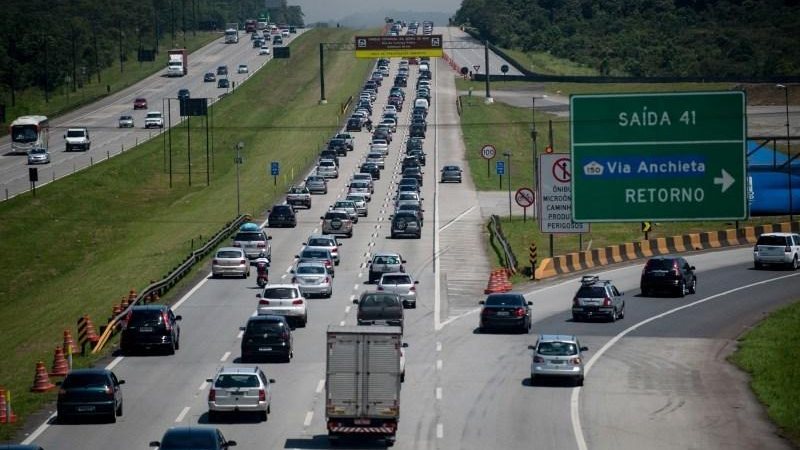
486,312
262,395
241,261
165,318
538,359
519,312
413,289
328,280
298,302
262,245
127,319
108,391
606,301
215,261
294,280
263,302
576,361
787,249
676,270
237,244
212,395
380,288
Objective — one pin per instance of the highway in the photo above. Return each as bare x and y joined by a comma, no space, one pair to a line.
468,52
658,378
101,117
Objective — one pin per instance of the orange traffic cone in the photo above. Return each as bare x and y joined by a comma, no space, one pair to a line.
41,382
69,343
123,304
131,296
60,364
91,332
6,413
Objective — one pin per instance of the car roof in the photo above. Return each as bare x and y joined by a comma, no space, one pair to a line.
376,254
95,371
227,249
239,369
284,285
778,234
558,338
149,307
267,318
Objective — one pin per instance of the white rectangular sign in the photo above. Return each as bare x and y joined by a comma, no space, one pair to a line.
555,195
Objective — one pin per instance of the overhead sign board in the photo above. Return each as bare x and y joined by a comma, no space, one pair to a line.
555,195
406,46
660,156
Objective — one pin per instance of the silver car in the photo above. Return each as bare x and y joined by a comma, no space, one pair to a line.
361,203
377,159
337,222
230,261
327,169
777,248
313,279
317,184
283,300
347,205
401,284
557,356
253,240
408,196
235,389
360,187
324,242
126,121
38,155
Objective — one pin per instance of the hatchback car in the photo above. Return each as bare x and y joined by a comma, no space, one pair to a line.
313,279
90,392
194,438
150,327
253,240
406,224
283,300
557,355
672,274
317,184
505,310
337,222
38,155
239,389
140,103
354,124
417,153
125,121
318,254
264,50
451,174
401,284
209,77
346,205
597,298
242,68
413,172
230,261
379,308
267,336
324,241
777,248
385,262
327,169
282,216
223,83
222,70
408,185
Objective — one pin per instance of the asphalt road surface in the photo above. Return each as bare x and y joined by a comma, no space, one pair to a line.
468,52
101,117
658,379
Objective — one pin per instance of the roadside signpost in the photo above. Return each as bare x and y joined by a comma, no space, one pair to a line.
660,156
488,152
275,170
555,196
500,169
407,46
525,198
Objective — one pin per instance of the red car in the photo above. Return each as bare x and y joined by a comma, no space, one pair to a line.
140,103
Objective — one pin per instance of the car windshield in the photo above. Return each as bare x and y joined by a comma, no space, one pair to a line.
280,292
771,240
75,133
396,279
265,326
359,185
378,300
505,300
237,381
153,115
557,349
85,380
310,270
229,254
344,205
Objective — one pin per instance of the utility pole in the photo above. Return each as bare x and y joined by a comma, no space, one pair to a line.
322,100
788,151
486,62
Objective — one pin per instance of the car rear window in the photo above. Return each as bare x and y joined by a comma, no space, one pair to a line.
281,292
320,242
379,300
310,270
142,318
591,291
264,326
188,440
771,240
283,209
557,349
396,279
85,380
661,264
229,254
237,381
249,237
505,300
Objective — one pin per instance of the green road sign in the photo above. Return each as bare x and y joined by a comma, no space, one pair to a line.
661,156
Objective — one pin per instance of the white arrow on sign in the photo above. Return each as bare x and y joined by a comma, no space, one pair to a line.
726,180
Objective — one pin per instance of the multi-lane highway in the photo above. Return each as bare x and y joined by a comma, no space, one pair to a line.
101,117
657,379
468,52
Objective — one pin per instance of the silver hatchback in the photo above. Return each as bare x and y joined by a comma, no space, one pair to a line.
401,284
239,389
556,355
230,261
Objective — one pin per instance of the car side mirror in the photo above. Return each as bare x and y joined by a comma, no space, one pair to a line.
355,301
530,303
691,267
530,347
403,261
241,328
209,380
291,271
296,256
416,282
272,380
258,295
155,444
178,318
230,444
269,238
584,349
305,243
120,381
405,344
481,302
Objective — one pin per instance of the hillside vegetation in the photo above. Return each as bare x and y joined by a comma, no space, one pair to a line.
648,37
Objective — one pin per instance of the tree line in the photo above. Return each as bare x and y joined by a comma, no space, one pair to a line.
648,37
49,43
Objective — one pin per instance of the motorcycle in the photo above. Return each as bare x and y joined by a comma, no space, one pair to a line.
262,271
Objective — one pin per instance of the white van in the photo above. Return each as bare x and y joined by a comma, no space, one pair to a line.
421,102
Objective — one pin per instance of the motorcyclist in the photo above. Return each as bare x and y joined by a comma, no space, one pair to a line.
368,125
262,268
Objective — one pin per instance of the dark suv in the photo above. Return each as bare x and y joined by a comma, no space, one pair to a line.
671,274
267,336
377,308
406,224
282,216
150,327
90,392
597,297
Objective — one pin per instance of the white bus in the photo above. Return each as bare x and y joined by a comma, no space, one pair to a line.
29,132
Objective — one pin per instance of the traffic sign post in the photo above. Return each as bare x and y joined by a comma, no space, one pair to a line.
275,170
555,195
662,156
525,198
500,168
488,152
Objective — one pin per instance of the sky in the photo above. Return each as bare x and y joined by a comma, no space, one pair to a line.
331,10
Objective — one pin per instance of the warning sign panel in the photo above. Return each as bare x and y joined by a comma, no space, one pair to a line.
407,46
555,191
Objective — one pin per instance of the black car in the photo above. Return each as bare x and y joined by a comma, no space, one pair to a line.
400,81
282,216
410,161
414,144
505,310
223,83
417,130
417,153
183,94
353,124
194,438
339,146
406,224
150,327
419,110
222,70
408,185
209,77
377,308
669,274
90,392
413,172
372,169
268,336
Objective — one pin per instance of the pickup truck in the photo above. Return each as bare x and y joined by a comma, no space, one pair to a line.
299,196
77,139
349,140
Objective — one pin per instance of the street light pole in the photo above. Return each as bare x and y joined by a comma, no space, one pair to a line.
788,151
508,164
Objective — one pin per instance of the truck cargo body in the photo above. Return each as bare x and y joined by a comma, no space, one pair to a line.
178,62
232,33
362,381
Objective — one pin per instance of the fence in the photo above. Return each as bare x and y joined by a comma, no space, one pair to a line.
510,261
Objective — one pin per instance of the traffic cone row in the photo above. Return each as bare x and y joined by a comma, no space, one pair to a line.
498,282
41,382
60,364
6,413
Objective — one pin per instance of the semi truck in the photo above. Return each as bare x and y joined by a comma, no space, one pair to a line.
362,382
232,33
250,25
178,62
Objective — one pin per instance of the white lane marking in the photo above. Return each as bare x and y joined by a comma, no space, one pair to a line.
347,310
288,269
342,323
315,231
309,418
241,333
283,277
352,297
377,226
114,363
363,264
255,313
438,346
225,357
371,243
320,386
183,413
438,393
355,287
448,321
574,402
439,430
203,386
36,433
438,364
459,217
360,274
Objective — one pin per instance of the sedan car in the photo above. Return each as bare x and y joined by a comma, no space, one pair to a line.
379,308
557,356
125,121
38,155
242,68
230,261
318,254
313,279
362,187
401,284
209,77
371,169
264,50
239,389
505,310
194,438
282,216
90,392
223,83
267,336
283,300
140,103
317,184
451,174
324,241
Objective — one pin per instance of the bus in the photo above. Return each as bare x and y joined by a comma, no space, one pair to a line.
29,132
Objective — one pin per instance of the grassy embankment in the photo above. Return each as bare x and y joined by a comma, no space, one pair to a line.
62,100
85,240
770,355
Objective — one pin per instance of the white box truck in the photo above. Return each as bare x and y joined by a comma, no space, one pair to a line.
178,63
362,382
232,33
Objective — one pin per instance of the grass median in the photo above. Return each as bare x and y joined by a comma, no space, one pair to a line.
85,240
769,353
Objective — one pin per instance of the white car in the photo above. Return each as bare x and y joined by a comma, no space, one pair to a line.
242,68
389,122
390,108
777,248
401,284
230,261
360,187
154,119
360,201
312,278
327,169
234,389
264,50
283,300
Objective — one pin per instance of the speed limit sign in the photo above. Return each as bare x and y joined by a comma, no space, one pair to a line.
488,151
